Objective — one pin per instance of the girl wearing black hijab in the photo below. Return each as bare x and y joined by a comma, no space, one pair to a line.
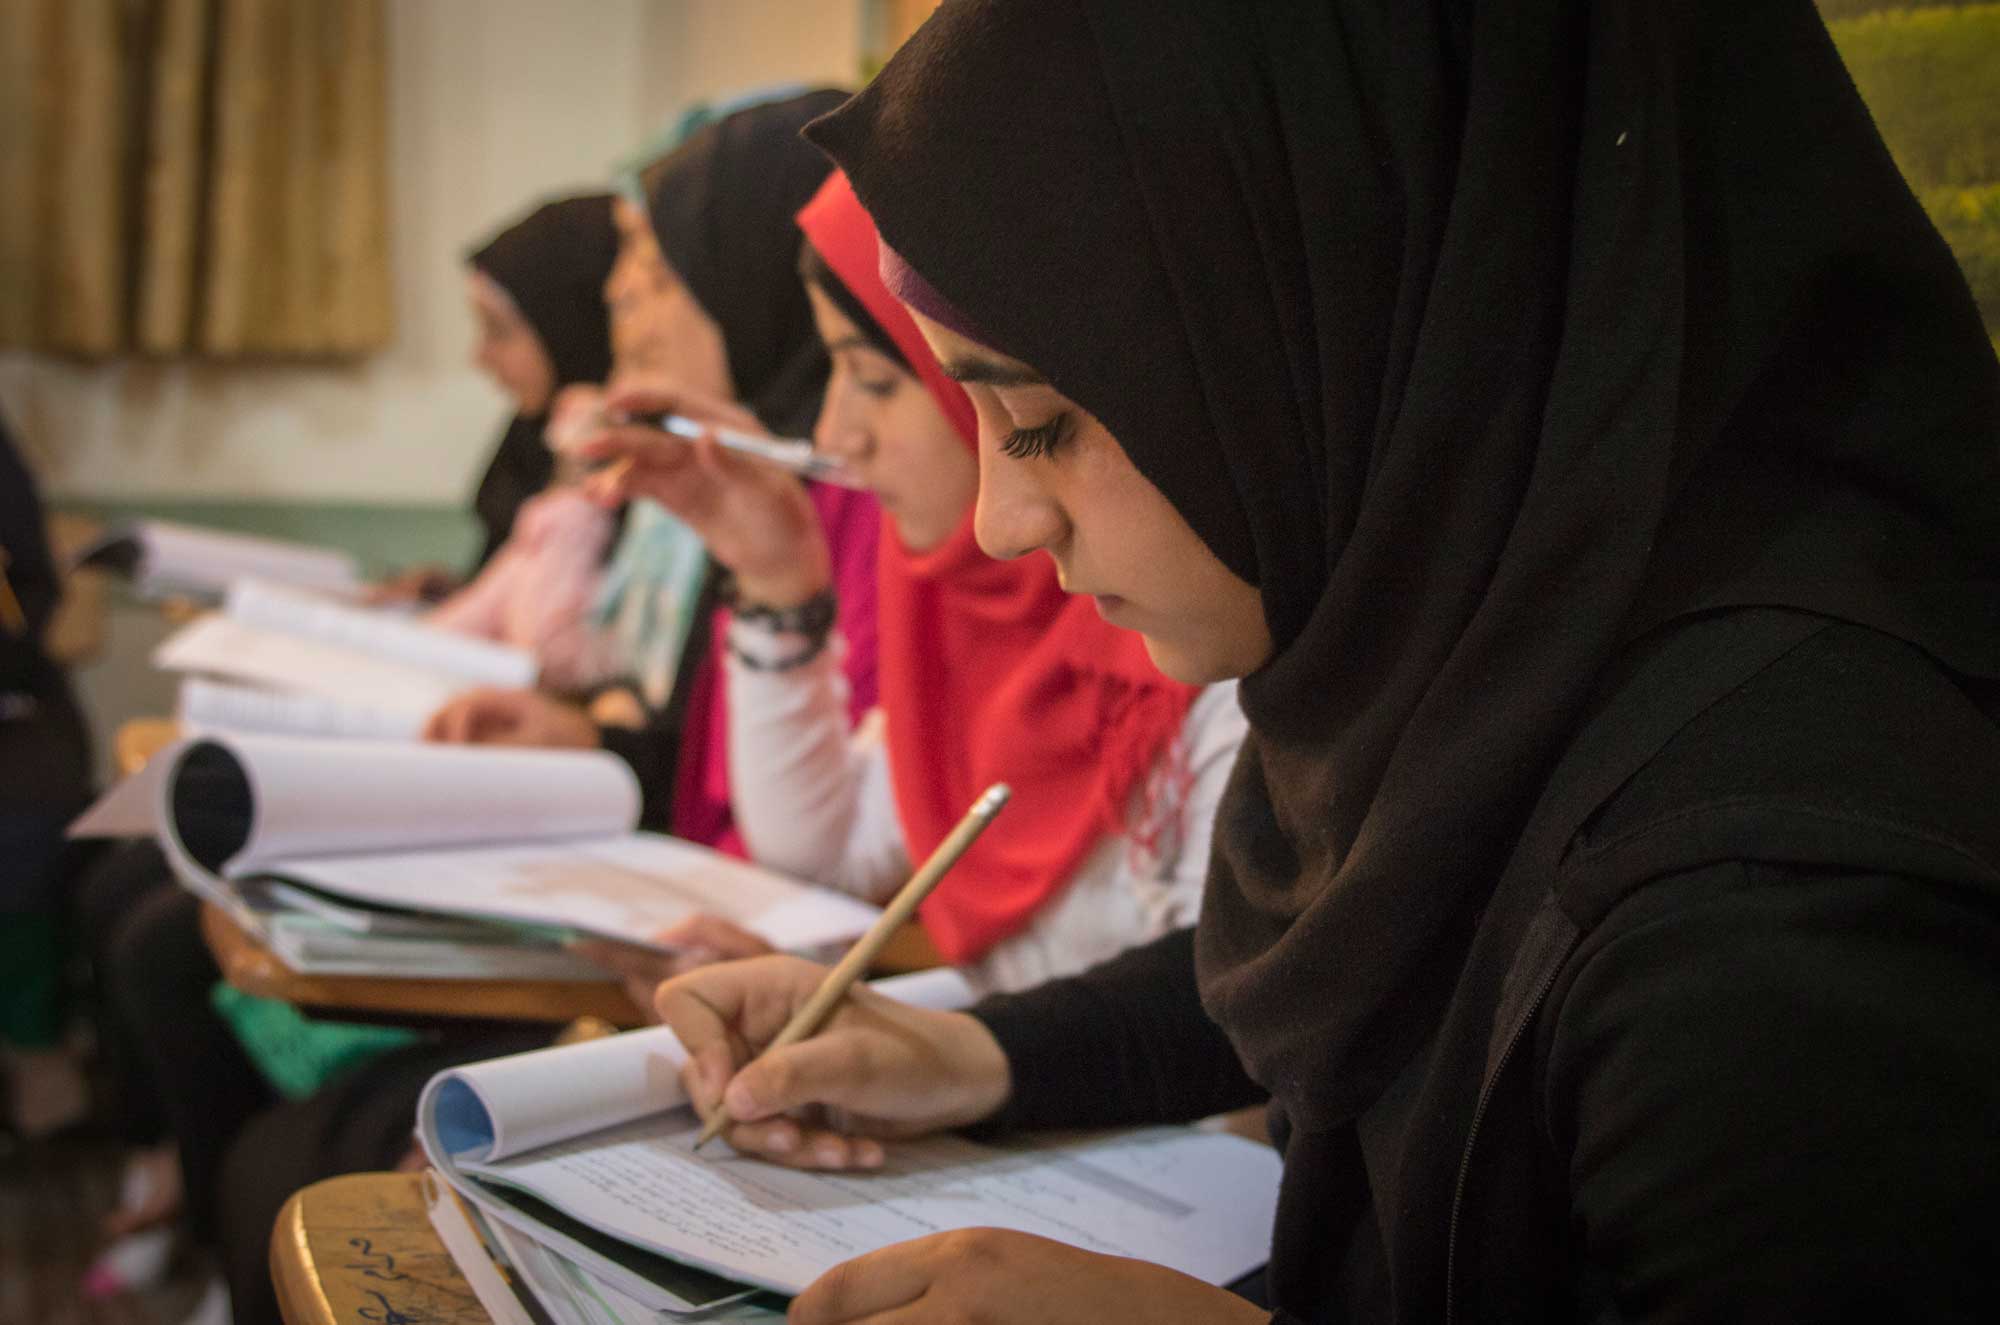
1566,419
535,289
550,268
707,297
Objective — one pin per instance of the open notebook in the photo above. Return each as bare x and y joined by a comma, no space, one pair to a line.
222,706
362,668
586,1150
539,838
164,558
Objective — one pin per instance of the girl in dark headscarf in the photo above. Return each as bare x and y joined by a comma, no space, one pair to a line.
537,292
705,296
989,672
1566,419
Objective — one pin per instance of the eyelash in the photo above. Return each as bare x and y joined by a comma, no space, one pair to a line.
1027,443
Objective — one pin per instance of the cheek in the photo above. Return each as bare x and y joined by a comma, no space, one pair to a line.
905,425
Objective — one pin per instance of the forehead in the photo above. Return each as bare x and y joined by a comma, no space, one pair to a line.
968,362
834,324
489,296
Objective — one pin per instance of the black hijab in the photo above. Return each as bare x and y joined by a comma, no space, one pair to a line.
552,264
722,205
1484,340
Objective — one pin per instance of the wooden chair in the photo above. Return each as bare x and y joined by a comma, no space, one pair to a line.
361,1248
255,969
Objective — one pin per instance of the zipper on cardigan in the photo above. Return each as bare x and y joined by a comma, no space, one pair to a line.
1472,1139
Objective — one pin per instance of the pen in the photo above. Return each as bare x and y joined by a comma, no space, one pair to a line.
786,452
854,965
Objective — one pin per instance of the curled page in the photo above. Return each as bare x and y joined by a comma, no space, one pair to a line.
505,1106
230,804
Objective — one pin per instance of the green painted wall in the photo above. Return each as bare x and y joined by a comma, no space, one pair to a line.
1931,77
383,537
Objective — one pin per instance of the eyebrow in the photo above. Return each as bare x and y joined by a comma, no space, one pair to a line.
974,371
857,341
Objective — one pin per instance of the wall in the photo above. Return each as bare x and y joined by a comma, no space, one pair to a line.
708,48
493,103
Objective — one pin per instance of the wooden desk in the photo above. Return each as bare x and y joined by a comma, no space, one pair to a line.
139,739
361,1248
255,969
908,949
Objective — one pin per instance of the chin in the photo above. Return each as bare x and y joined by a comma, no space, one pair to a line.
1189,667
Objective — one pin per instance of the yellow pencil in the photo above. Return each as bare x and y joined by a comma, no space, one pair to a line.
808,1019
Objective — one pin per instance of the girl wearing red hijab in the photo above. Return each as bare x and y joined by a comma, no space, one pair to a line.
989,672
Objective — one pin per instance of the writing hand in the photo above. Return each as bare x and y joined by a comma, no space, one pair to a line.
1005,1278
879,1069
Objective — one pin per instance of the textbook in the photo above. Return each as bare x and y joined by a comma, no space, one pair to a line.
355,840
586,1149
220,706
163,558
377,668
522,1282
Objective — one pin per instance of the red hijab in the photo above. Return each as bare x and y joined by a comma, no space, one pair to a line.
990,673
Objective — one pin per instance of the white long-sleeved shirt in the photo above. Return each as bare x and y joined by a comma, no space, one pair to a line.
813,798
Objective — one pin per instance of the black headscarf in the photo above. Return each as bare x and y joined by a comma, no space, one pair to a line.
722,205
1483,339
552,264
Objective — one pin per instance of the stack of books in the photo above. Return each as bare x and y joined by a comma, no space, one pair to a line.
442,861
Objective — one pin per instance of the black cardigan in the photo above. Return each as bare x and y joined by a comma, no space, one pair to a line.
44,745
1726,1046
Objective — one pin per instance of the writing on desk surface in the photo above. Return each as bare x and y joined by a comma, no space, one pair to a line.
384,1263
385,1314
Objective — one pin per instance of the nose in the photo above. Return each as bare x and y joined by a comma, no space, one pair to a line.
1016,514
840,430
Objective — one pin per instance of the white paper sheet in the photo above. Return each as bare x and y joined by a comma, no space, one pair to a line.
180,558
386,635
215,706
217,645
130,809
455,1230
1198,1202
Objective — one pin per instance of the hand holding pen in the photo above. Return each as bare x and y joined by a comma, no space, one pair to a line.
756,518
798,1065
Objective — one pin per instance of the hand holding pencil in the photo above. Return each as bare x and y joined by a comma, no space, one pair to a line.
757,519
876,1070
